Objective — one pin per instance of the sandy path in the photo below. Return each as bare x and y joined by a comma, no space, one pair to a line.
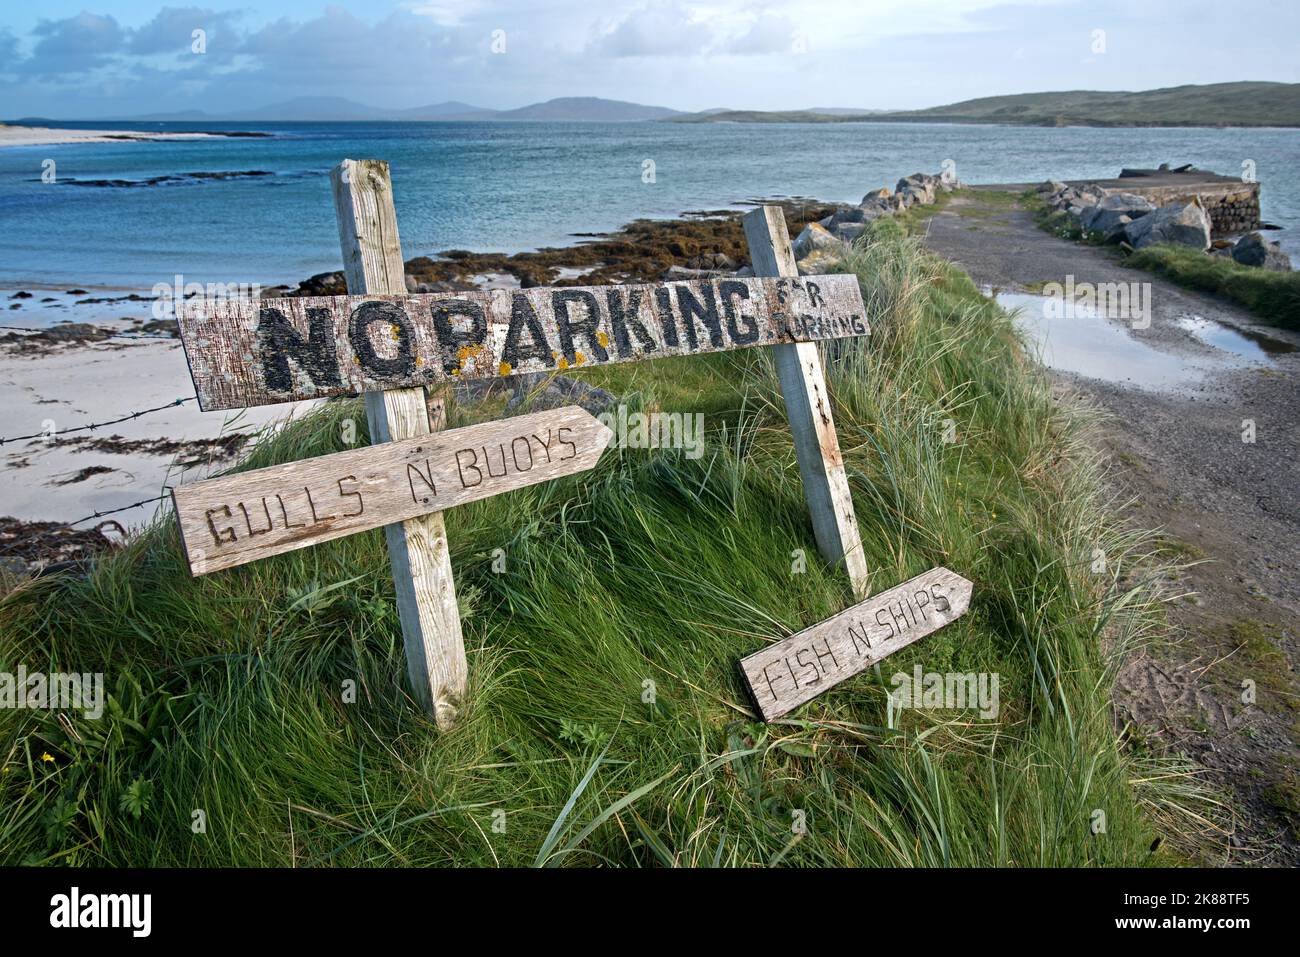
1179,457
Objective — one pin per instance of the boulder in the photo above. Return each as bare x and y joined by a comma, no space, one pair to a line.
1113,230
848,232
918,189
847,214
881,193
1091,195
822,261
1051,187
1254,250
1133,204
711,261
1179,224
677,273
918,180
1111,215
882,205
917,195
814,238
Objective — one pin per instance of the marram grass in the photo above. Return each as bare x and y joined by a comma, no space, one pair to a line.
606,724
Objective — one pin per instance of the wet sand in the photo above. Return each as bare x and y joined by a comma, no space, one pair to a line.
64,477
45,136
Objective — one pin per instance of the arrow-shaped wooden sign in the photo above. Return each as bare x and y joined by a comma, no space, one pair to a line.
240,518
785,675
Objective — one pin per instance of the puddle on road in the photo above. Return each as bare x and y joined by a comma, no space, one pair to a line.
1088,344
1252,346
1093,346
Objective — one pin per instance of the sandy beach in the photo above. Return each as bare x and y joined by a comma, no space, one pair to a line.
64,477
46,136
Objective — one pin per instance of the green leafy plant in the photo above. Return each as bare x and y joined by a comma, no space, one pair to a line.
137,797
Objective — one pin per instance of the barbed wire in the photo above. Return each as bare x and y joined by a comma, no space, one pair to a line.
97,425
111,335
124,508
23,542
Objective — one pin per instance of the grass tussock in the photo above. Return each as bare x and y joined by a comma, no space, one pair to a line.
607,725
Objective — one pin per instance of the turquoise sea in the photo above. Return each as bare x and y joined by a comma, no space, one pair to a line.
516,186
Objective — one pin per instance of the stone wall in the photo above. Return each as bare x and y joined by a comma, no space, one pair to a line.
1233,206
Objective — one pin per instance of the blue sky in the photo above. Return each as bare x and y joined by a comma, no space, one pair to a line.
100,58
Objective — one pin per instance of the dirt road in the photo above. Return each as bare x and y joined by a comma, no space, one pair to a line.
1186,456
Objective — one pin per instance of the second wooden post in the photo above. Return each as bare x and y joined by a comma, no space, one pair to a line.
808,406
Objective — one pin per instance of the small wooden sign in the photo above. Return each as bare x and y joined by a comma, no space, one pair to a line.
245,352
240,518
784,675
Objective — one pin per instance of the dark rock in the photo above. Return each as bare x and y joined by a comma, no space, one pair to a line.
848,232
814,238
1179,225
1255,250
1112,214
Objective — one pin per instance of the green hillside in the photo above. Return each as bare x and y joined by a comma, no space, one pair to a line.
1219,104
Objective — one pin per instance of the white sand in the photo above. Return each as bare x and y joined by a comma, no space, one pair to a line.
42,136
92,383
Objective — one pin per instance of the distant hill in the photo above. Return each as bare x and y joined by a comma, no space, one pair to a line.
1218,104
451,109
843,111
587,109
327,109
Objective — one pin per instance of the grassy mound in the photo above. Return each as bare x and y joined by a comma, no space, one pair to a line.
606,723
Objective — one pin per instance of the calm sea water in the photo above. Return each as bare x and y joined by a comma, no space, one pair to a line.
511,187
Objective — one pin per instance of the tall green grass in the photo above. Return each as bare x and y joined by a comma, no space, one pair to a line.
606,724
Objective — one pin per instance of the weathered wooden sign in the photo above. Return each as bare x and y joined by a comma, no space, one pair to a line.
240,518
389,345
784,675
245,352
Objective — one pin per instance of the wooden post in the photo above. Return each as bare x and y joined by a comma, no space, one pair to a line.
417,548
808,406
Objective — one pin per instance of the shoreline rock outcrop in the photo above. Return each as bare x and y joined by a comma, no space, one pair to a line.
1116,217
820,244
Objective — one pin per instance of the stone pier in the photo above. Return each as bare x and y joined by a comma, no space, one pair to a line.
1232,204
